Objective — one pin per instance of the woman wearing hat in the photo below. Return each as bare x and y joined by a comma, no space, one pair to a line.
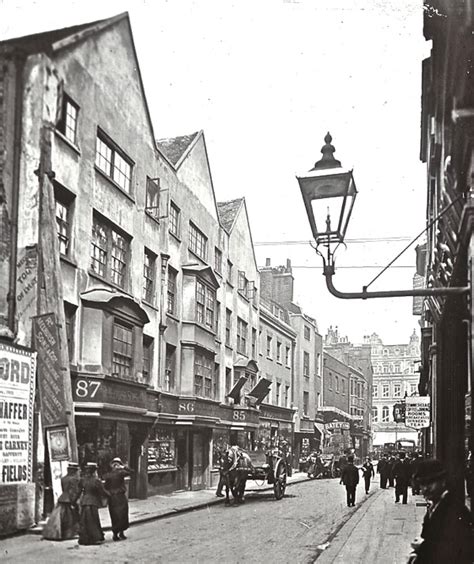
90,529
118,502
63,523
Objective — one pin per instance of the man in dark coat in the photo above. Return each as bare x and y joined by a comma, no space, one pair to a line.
447,534
118,502
384,471
93,492
350,478
390,466
63,523
368,473
402,473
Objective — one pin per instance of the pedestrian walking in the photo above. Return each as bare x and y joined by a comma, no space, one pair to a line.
415,463
447,533
350,478
390,467
93,492
384,470
118,502
368,473
402,474
63,523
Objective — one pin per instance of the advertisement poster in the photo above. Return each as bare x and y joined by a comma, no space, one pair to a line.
17,391
417,412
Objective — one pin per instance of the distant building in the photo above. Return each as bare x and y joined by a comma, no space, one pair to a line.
359,362
395,376
277,284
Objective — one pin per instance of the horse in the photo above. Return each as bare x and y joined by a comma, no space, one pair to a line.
235,469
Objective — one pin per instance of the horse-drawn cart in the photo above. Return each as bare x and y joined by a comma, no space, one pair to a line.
270,468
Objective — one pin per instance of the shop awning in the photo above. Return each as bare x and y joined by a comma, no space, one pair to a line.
261,390
235,392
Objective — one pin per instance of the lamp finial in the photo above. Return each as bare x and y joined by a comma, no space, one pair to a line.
328,160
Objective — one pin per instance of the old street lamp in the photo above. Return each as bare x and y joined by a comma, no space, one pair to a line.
329,194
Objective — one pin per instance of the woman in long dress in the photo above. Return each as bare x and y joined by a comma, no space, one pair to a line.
93,492
63,523
118,502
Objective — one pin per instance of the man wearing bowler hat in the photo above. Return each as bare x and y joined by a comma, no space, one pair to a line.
447,534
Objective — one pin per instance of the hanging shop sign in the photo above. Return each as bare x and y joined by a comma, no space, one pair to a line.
17,392
50,373
399,412
417,412
344,425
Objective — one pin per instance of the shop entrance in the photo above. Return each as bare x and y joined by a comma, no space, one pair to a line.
200,459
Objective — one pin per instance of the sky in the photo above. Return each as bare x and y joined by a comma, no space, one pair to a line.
266,80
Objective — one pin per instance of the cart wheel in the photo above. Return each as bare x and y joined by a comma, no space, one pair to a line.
279,485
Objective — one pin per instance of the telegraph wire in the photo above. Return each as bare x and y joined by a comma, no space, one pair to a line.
308,242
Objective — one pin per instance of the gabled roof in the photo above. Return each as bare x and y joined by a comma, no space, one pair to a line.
176,148
228,212
56,38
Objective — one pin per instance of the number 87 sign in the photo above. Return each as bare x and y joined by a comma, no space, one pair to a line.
86,389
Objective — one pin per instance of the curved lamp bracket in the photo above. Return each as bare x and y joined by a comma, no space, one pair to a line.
329,271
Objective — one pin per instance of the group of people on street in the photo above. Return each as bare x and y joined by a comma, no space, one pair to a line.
77,509
399,473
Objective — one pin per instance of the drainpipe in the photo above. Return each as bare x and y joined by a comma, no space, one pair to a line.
19,58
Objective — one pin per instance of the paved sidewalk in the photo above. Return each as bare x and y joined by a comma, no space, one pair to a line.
378,531
157,506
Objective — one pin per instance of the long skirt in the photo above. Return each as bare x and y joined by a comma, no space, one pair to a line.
118,509
90,530
63,523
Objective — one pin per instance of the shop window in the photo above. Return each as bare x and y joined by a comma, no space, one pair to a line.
149,275
170,368
110,252
242,336
197,242
113,162
175,220
172,275
122,351
147,358
162,450
68,118
203,375
152,203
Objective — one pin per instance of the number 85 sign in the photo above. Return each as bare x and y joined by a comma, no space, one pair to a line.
85,389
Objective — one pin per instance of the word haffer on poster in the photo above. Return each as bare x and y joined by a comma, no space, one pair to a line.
17,392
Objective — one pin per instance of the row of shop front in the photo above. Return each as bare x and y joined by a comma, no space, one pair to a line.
173,443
